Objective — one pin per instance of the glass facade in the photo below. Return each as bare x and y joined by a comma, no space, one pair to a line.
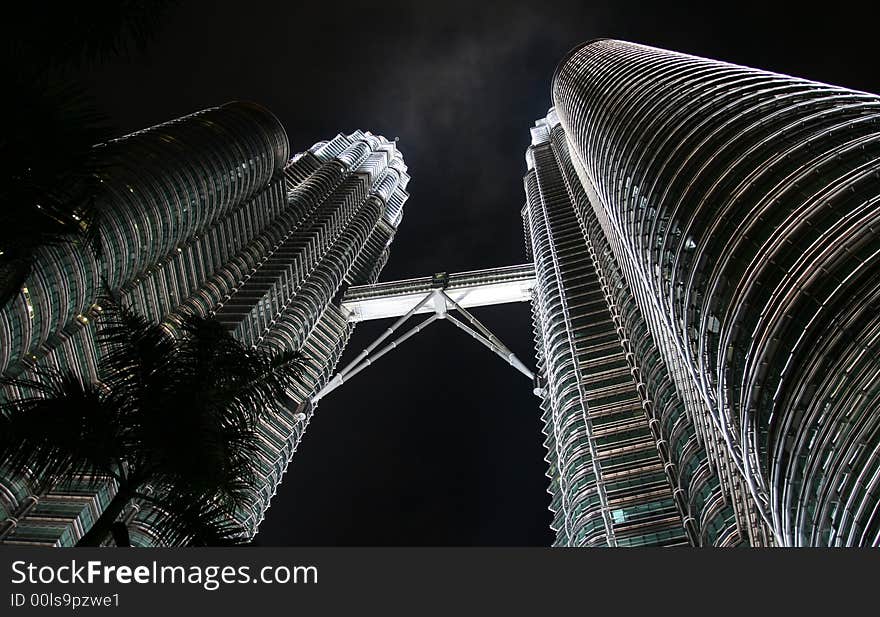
734,211
610,483
209,213
707,278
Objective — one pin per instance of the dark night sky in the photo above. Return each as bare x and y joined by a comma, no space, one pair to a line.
440,442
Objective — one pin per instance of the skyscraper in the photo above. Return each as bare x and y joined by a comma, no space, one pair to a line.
208,213
706,249
704,293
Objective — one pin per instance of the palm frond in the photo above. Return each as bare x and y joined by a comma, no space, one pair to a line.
60,427
249,383
194,519
202,453
135,353
178,411
273,382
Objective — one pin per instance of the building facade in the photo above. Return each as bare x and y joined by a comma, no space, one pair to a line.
209,213
705,293
706,245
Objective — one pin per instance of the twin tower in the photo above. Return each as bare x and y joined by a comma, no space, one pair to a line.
705,287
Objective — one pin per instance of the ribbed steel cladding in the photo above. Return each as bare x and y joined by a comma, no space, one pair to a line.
77,349
158,194
746,204
608,483
235,246
308,322
546,291
174,179
291,247
701,501
299,261
719,459
302,253
297,278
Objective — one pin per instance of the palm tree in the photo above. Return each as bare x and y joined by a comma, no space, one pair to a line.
173,421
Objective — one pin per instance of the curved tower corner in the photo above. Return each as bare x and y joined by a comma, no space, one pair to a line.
741,207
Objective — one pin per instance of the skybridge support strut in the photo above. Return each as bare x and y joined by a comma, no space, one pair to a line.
502,351
362,362
491,341
441,303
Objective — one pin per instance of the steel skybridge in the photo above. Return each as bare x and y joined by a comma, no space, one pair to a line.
441,295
